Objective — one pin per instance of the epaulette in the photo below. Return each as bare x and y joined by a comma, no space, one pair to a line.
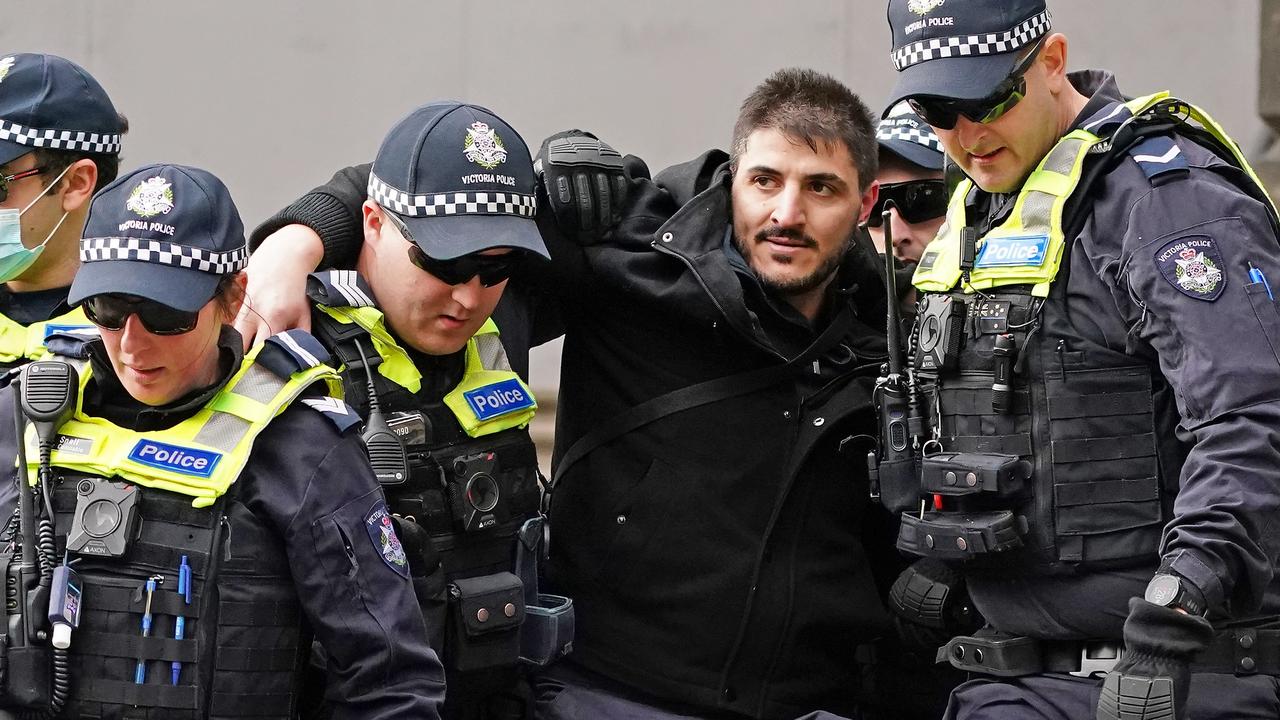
71,341
1160,158
338,412
288,352
339,288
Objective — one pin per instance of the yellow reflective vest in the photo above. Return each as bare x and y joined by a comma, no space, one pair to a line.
20,343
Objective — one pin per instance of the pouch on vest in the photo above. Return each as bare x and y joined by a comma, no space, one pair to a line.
485,616
548,629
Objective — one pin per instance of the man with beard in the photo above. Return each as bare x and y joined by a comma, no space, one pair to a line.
710,494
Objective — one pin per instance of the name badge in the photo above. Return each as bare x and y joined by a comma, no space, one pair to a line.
185,460
497,399
1020,250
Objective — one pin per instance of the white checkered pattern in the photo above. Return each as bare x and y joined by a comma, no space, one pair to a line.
968,45
452,203
921,136
60,139
163,253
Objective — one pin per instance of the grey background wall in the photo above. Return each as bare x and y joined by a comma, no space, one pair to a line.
273,96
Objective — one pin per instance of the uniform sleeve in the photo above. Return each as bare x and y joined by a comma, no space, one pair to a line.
333,211
350,572
1188,248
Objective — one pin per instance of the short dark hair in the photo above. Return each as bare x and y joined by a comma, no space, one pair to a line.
55,161
807,105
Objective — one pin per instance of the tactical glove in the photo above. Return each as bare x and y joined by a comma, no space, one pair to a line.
931,605
1153,677
584,184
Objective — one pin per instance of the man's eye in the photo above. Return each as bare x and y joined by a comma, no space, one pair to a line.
764,181
821,188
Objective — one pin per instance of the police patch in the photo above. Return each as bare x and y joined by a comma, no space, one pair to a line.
1028,250
382,533
498,399
1193,265
175,458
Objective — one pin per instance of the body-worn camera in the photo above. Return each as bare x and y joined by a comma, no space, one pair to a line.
474,492
105,519
939,330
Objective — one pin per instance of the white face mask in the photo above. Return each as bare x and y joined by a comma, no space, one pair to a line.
15,257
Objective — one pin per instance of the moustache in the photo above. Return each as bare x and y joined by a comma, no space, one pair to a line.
788,233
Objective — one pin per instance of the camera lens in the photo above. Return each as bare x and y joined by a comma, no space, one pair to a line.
101,518
483,492
84,487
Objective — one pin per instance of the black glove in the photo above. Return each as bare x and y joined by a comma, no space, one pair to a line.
584,183
1153,677
930,603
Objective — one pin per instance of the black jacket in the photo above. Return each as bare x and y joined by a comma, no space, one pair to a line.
716,556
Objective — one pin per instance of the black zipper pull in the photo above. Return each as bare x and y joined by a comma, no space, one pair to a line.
1062,358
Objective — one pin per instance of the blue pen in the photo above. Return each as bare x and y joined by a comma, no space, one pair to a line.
180,625
1256,275
140,672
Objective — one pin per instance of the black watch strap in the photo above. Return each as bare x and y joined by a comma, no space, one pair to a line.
1168,589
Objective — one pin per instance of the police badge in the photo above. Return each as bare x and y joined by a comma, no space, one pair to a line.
922,7
483,146
1194,266
153,196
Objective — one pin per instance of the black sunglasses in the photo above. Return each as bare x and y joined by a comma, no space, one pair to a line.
110,311
943,114
6,179
916,201
492,269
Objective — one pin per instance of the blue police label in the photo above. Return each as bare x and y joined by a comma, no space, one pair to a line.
497,399
1194,266
175,458
382,533
1029,250
52,328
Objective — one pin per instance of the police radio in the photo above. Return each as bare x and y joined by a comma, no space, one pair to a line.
894,480
386,452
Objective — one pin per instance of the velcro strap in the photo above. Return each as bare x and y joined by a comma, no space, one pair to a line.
257,659
1107,448
977,401
239,704
1078,406
116,692
270,614
1106,491
126,600
1019,444
136,646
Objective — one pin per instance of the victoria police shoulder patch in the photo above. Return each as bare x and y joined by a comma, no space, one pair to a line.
1193,265
382,533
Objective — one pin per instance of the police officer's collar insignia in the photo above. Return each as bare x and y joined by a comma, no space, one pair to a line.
153,196
922,7
5,65
382,533
483,146
1194,266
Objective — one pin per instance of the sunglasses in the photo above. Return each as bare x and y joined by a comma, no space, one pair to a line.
943,114
110,311
492,269
6,179
916,201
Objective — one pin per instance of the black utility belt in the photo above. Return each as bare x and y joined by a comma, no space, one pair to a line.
1235,651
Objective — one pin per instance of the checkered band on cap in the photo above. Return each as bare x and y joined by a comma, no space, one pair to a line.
450,203
921,136
89,142
163,253
970,45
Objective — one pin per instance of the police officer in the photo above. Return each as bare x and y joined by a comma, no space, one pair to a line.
910,177
200,512
59,143
449,218
1097,382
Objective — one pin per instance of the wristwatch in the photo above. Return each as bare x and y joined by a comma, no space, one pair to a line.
1172,591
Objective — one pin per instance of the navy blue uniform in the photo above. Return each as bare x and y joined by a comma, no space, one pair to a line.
1217,345
308,487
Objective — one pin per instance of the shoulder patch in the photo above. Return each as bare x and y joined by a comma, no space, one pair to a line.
382,533
339,288
339,413
288,352
1160,159
500,398
70,340
1193,265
